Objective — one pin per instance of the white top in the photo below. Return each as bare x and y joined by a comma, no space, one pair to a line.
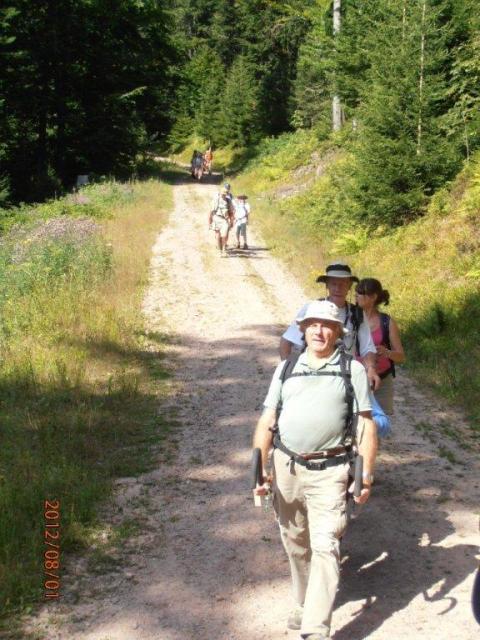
365,341
242,209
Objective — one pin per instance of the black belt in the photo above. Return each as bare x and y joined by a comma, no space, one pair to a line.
308,464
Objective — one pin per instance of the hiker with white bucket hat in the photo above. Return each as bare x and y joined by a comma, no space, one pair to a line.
310,416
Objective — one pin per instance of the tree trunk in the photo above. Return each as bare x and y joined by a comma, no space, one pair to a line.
421,81
336,106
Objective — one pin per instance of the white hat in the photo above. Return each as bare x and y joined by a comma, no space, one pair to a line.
322,310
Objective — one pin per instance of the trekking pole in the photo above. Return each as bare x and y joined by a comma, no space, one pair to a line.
257,475
358,476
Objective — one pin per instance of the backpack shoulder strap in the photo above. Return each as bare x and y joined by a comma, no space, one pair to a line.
289,366
345,371
385,324
356,314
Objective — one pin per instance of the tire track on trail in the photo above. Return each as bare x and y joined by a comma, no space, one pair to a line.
206,563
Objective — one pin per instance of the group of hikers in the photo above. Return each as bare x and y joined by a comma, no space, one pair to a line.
225,213
329,399
201,163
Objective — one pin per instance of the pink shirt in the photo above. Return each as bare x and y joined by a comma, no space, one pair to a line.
383,363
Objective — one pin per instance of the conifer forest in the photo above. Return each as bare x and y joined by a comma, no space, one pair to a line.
86,86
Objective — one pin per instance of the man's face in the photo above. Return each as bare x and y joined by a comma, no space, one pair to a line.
338,289
320,336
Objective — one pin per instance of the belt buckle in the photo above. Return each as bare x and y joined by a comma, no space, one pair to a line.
316,466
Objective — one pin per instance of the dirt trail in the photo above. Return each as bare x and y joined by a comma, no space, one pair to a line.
207,565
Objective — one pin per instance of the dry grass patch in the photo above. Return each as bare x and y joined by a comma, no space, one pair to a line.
80,380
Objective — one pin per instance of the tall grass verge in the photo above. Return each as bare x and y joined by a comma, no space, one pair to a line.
80,381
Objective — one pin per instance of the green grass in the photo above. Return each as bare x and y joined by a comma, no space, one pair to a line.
431,266
80,379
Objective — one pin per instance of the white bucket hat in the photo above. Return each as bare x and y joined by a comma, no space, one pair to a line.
322,310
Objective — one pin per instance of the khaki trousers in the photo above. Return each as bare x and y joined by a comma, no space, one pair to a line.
311,512
384,395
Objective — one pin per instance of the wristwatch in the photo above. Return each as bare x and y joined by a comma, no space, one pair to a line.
368,477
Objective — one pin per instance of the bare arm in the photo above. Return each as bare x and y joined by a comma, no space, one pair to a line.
367,447
371,366
285,348
263,437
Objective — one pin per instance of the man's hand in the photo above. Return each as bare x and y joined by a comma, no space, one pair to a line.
374,379
367,448
364,495
263,489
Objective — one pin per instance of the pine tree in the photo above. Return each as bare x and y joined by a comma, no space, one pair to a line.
84,85
463,118
401,154
313,88
239,116
212,92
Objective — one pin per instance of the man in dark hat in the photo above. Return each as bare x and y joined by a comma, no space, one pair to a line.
338,279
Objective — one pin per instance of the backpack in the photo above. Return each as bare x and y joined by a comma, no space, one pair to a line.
223,211
385,324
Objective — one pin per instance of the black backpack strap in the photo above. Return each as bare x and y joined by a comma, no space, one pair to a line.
355,312
345,372
385,324
289,366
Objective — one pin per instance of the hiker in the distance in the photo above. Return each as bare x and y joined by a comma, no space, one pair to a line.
312,413
198,166
220,219
385,334
338,279
228,189
192,162
208,160
242,212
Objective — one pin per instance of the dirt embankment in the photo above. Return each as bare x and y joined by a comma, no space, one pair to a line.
205,564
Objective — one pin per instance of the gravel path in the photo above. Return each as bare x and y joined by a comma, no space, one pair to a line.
206,564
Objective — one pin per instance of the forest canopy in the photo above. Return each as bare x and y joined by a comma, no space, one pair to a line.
87,86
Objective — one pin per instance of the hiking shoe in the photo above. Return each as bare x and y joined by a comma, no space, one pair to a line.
245,246
238,245
295,619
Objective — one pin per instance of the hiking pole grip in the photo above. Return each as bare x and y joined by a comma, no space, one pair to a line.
257,475
358,476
